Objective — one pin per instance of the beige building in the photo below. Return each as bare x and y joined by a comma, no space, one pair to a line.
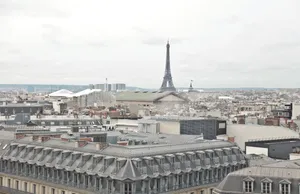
149,98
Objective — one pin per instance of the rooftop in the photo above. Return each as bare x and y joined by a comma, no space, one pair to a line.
22,105
282,169
86,92
61,93
273,141
144,96
160,138
181,118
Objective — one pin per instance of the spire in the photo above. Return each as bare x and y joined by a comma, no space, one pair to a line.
191,89
191,84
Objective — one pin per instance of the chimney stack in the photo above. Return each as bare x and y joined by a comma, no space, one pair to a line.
100,146
43,138
79,143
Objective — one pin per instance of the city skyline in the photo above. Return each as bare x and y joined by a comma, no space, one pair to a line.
215,43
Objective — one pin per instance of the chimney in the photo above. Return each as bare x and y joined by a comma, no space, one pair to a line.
35,137
43,139
79,143
19,136
100,146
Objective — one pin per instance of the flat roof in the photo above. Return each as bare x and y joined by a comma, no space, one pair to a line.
23,105
180,118
272,142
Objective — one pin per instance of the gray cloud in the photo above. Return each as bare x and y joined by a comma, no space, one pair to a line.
217,43
98,44
8,7
161,41
282,45
52,33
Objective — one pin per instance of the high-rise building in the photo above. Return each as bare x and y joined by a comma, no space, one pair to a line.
111,87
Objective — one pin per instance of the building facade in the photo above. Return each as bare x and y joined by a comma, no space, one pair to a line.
52,167
274,148
12,109
111,87
210,128
148,98
275,178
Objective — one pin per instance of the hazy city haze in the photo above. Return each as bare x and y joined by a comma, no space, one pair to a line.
216,43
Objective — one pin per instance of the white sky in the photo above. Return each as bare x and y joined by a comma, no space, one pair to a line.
217,43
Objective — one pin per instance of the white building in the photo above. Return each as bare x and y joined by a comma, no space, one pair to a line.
93,97
61,94
244,133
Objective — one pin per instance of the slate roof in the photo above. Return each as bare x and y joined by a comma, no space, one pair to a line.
277,172
121,162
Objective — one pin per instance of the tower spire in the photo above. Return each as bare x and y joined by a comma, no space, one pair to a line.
191,84
167,84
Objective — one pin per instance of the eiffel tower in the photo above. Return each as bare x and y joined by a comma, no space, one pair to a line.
167,84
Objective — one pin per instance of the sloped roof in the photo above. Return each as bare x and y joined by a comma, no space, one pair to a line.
86,92
61,93
144,96
277,172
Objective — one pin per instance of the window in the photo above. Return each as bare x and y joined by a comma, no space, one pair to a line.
248,186
63,192
1,181
127,188
17,185
202,192
8,183
34,188
43,190
25,186
284,188
211,191
266,185
52,191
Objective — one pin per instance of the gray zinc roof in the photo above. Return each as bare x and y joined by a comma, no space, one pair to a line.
88,159
277,172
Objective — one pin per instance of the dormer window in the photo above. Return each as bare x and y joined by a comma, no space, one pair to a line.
266,186
285,187
248,185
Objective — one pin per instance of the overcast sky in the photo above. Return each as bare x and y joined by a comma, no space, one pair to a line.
217,43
